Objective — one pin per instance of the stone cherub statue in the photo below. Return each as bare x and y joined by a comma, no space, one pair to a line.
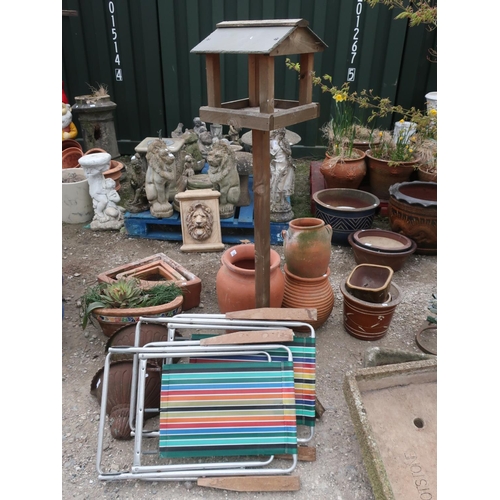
107,214
223,174
137,175
160,174
282,176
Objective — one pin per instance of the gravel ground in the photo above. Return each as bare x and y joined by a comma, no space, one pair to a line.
338,472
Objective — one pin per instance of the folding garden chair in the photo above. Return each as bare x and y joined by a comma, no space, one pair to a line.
226,410
303,349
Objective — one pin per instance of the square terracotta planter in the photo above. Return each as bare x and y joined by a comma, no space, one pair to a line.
159,265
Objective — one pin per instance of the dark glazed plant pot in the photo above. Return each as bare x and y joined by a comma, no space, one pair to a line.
395,260
366,320
370,282
346,210
413,212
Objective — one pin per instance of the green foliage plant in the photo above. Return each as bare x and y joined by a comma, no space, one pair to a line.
126,294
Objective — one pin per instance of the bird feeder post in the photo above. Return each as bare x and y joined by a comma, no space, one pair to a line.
262,41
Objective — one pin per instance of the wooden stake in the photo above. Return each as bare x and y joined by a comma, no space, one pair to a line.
250,337
252,483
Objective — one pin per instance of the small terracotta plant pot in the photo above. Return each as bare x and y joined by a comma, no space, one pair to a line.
367,320
70,157
71,143
370,282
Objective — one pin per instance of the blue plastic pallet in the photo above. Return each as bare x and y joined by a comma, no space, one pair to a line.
237,228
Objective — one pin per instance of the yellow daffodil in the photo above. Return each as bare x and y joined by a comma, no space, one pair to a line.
340,96
433,113
401,121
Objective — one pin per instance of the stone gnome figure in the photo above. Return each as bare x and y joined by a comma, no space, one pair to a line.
160,174
223,174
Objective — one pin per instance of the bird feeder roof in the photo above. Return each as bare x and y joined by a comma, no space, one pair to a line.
274,37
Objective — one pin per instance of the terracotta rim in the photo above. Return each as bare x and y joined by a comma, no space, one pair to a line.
372,251
382,233
248,250
395,298
140,311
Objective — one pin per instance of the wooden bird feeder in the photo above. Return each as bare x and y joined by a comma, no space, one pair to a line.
260,112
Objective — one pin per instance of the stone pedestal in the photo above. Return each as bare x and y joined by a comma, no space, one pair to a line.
95,115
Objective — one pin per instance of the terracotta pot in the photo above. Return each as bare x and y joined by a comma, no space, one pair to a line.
309,293
95,150
425,175
111,320
114,172
367,320
383,176
70,157
346,210
394,260
364,145
413,212
118,397
235,281
345,173
71,143
382,240
307,245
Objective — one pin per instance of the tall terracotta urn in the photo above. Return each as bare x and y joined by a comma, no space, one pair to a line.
344,172
307,245
309,293
235,281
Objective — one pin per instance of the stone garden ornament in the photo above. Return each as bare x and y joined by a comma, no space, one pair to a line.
160,174
107,214
282,176
223,174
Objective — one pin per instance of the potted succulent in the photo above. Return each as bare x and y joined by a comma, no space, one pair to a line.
113,305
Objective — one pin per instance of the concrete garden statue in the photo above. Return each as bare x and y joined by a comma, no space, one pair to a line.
107,214
223,174
161,173
282,176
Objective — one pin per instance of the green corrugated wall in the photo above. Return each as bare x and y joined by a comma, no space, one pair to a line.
140,49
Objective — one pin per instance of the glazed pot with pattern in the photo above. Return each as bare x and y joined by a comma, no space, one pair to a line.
413,212
368,320
111,319
307,246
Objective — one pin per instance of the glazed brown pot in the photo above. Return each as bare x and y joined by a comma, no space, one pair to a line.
118,397
370,282
235,280
309,293
395,260
383,176
413,212
344,173
367,320
111,320
307,246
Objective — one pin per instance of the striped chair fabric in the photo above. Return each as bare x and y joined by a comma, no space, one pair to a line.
304,367
227,409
